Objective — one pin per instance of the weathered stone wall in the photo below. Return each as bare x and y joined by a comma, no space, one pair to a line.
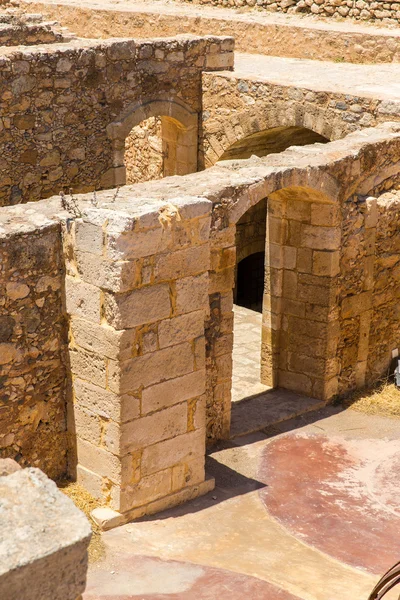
144,152
366,10
385,319
369,289
33,342
29,30
254,32
149,293
58,100
255,106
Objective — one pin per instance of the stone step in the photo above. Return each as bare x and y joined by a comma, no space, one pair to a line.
269,408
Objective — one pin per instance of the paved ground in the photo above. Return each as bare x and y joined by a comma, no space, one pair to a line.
374,81
309,510
246,354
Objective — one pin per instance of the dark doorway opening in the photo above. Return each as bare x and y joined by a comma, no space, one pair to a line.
250,281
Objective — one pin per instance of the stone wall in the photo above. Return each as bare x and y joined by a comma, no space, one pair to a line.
253,31
149,293
369,284
33,342
144,152
256,106
57,102
366,10
29,30
385,319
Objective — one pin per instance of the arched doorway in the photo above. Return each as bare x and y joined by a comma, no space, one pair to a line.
271,141
248,293
297,320
150,140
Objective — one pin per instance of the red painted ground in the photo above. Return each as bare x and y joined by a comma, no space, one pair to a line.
136,576
341,496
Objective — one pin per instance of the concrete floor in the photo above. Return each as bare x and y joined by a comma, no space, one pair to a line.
309,510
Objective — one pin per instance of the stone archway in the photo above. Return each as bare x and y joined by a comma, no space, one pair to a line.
271,141
179,126
299,324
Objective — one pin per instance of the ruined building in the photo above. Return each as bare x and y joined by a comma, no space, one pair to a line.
137,175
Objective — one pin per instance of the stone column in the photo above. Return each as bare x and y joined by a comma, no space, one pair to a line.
137,299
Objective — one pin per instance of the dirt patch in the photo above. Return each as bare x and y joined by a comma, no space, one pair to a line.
383,399
83,500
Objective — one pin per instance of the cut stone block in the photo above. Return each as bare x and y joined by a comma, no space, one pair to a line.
44,540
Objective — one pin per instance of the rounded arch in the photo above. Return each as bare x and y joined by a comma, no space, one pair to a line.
179,125
271,141
291,184
225,128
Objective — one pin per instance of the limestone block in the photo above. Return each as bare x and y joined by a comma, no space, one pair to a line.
88,366
105,403
87,425
148,489
173,391
180,329
151,368
82,299
296,382
159,426
325,263
98,460
92,482
221,281
43,554
89,237
101,339
181,449
325,214
182,263
136,244
117,277
137,307
188,474
320,238
289,284
299,210
219,61
192,294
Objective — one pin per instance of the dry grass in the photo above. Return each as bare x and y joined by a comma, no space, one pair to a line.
383,399
83,500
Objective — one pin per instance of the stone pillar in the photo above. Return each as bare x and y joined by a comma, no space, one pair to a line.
300,315
44,539
219,333
137,299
